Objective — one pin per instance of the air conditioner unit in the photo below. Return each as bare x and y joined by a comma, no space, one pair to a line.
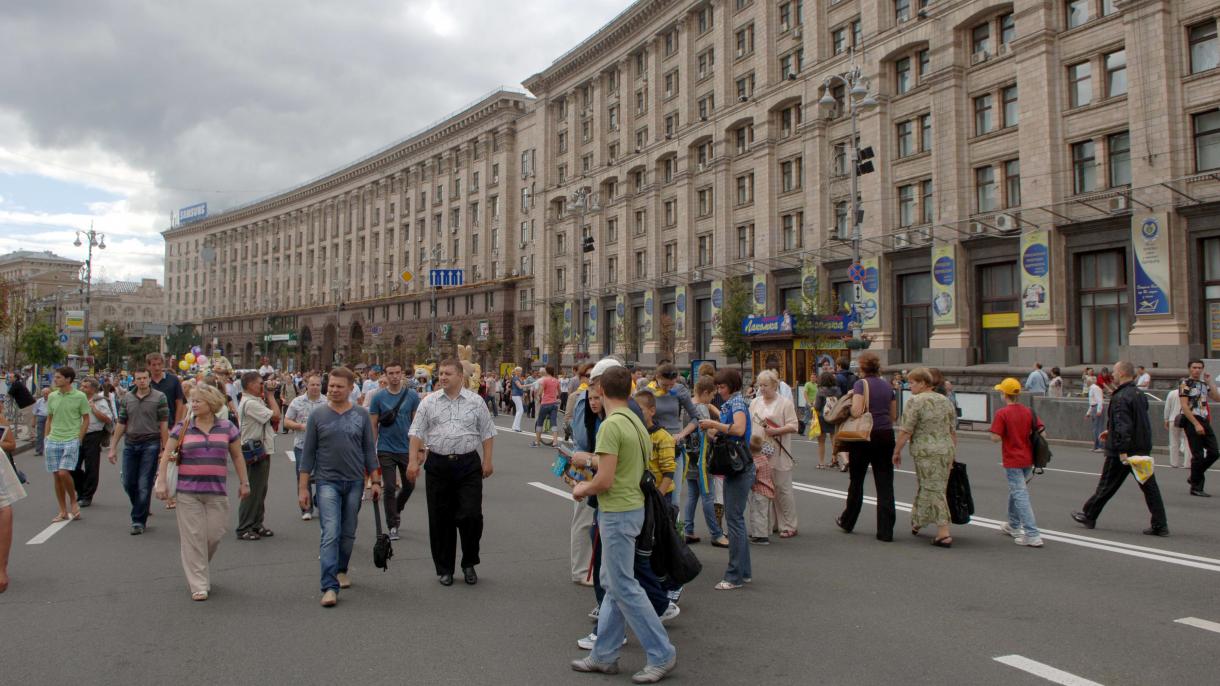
513,273
796,32
1006,222
979,57
454,231
702,166
792,76
743,98
1119,203
1003,49
978,228
901,240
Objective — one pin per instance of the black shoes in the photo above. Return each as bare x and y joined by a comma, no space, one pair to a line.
1154,531
1082,518
839,523
446,580
1200,492
470,576
85,502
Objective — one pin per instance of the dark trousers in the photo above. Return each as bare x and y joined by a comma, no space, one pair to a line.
85,476
454,489
250,512
1113,474
395,489
643,574
1203,452
878,453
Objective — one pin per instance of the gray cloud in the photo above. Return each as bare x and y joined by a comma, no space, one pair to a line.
253,97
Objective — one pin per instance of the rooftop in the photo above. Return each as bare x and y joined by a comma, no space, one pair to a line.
42,255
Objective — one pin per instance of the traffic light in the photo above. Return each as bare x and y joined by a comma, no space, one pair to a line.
864,163
587,245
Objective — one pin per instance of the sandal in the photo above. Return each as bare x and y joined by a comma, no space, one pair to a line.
946,542
720,543
787,534
61,517
727,586
200,596
75,516
248,536
265,533
171,505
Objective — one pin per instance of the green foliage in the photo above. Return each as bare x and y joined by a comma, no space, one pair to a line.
40,345
554,337
737,306
180,341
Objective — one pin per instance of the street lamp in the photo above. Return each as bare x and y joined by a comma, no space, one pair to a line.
581,198
95,240
858,100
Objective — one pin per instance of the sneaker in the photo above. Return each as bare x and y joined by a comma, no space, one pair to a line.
306,516
1010,530
651,674
588,665
587,642
394,534
344,580
594,612
670,612
136,529
330,599
1029,541
760,540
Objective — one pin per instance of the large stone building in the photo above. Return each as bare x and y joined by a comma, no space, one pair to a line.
1047,187
137,306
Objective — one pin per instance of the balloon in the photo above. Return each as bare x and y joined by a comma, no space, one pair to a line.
197,350
183,365
189,358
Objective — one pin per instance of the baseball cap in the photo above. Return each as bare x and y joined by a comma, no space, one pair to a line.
601,367
1009,386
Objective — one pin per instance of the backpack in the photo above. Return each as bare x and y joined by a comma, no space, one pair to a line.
846,380
1040,447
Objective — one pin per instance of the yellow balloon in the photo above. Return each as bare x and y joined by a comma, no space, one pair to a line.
183,365
190,358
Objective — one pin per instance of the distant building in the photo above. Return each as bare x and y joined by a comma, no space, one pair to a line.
139,306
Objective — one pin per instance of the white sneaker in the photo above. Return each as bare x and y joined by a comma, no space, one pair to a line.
670,612
1008,529
305,516
587,642
394,534
594,612
1030,541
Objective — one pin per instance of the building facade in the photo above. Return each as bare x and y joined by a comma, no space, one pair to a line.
137,306
1046,188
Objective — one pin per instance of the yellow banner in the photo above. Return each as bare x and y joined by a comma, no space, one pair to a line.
1002,320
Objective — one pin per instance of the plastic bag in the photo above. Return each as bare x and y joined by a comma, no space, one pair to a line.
815,426
1141,467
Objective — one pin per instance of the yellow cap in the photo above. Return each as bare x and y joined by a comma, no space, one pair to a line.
1009,386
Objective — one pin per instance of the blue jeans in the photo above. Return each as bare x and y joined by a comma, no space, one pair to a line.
139,472
313,487
1020,513
694,497
1099,425
625,601
338,509
736,494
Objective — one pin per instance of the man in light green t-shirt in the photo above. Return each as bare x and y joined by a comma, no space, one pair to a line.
68,418
622,446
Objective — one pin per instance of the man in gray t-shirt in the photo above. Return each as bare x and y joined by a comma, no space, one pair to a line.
339,453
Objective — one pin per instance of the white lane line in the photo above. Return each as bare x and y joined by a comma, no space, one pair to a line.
47,533
1155,554
292,457
1199,623
551,489
1047,672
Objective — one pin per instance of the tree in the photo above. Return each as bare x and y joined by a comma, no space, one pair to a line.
631,349
114,346
40,346
422,353
737,306
555,339
667,336
182,338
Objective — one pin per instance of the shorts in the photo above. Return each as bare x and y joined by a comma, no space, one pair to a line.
548,410
61,455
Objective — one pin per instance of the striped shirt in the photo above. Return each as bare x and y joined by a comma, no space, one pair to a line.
202,457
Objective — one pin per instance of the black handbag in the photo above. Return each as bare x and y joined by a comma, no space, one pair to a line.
728,457
958,496
670,557
387,420
1040,447
383,550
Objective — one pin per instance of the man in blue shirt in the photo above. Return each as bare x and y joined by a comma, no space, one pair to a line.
1037,380
391,411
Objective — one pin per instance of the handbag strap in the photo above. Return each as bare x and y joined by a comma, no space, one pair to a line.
377,514
401,397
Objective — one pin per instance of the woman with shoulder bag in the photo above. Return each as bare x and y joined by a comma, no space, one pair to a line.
736,426
872,399
776,417
200,446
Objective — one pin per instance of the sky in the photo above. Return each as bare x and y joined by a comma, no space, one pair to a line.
115,113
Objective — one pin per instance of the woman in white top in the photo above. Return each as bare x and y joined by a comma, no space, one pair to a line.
1096,413
776,416
1055,388
1179,447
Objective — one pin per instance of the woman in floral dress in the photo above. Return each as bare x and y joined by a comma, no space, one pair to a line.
928,423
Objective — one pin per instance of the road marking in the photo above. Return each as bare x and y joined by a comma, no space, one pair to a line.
1047,672
551,489
47,533
1199,623
292,456
1155,554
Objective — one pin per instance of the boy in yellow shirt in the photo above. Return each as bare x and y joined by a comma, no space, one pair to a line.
661,463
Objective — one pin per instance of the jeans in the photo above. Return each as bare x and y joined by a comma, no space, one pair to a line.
736,494
396,490
1113,474
548,411
88,469
693,498
313,487
1099,425
518,413
139,472
338,508
1020,512
40,432
625,603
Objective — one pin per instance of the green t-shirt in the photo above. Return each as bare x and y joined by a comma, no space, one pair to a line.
811,391
623,434
66,409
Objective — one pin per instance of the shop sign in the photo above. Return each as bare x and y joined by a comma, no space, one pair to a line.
1213,326
755,325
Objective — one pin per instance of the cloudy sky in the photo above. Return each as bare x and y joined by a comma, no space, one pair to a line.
118,112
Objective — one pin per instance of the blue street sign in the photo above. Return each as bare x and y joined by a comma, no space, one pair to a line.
63,338
440,278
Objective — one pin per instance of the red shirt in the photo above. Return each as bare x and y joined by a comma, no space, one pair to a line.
550,390
1012,424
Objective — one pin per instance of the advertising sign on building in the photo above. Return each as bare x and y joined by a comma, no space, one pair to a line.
809,283
944,276
484,329
74,320
1151,246
591,323
758,293
567,321
1035,276
717,304
620,316
648,314
868,308
194,213
679,312
759,325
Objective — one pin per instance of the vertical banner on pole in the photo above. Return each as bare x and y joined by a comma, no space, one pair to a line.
809,288
944,278
1151,246
620,315
567,321
648,315
868,307
591,324
1035,276
679,314
758,294
717,306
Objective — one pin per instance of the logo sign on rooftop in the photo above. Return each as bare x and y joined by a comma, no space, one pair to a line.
194,213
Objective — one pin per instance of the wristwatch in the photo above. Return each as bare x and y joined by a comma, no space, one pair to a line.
245,483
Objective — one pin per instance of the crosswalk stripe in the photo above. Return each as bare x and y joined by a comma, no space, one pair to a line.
47,533
1199,623
1045,671
551,489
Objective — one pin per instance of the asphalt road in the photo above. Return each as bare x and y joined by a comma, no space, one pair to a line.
95,605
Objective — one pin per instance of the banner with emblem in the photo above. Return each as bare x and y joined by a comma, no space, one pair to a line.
944,278
809,283
679,313
717,306
567,321
758,293
648,315
1035,276
1150,241
868,306
620,317
591,323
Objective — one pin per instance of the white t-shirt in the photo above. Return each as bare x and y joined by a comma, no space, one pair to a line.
265,370
1096,399
1144,381
368,389
785,390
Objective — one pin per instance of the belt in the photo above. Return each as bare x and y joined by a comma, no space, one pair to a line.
451,456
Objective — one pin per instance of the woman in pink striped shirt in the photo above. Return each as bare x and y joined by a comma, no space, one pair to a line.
202,443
